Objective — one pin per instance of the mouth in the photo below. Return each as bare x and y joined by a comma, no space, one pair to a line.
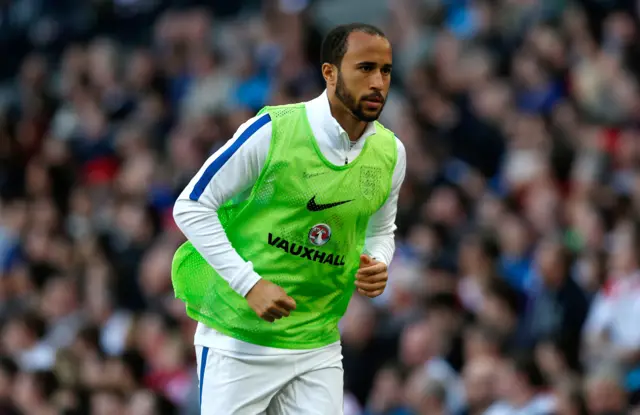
373,103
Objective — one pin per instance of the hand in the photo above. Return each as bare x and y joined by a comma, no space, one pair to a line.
269,301
371,278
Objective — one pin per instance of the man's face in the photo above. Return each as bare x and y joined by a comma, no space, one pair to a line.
364,75
417,344
507,380
605,397
496,314
479,382
549,262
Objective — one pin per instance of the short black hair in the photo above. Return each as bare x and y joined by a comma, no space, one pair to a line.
34,323
507,295
442,302
525,364
486,242
47,382
135,363
8,367
334,45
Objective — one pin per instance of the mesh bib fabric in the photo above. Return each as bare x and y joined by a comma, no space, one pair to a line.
303,228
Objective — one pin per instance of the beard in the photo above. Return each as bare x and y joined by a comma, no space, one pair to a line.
353,105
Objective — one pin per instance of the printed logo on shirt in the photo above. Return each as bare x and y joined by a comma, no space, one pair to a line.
306,175
314,207
303,252
369,179
320,234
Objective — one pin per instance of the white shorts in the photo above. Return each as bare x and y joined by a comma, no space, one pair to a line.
306,383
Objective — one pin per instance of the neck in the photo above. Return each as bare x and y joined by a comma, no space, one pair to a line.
555,283
352,125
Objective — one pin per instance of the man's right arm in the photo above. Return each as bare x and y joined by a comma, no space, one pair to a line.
229,173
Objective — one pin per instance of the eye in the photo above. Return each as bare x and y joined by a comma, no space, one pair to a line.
366,68
386,70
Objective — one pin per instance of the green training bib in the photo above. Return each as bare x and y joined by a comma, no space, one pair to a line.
303,228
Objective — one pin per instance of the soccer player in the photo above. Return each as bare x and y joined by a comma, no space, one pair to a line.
283,223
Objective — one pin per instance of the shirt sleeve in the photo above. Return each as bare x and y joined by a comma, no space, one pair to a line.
379,242
599,316
229,173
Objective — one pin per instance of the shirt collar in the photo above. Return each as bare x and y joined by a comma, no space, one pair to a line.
321,119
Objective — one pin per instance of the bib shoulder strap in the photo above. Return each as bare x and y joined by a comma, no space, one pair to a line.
384,131
280,111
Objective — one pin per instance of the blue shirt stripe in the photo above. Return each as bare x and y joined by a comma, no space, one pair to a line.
203,365
217,164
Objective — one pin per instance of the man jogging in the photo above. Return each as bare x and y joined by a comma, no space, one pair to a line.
283,223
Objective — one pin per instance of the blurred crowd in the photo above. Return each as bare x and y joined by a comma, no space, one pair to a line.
516,284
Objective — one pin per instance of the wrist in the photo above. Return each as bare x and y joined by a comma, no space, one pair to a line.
244,281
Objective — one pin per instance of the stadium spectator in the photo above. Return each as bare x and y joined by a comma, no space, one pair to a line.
479,379
569,397
521,388
604,391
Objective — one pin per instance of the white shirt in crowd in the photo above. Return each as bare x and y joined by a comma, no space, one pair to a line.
543,404
615,312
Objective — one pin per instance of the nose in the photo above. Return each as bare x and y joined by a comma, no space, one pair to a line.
376,81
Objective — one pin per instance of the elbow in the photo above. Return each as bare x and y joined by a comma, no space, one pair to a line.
180,208
190,215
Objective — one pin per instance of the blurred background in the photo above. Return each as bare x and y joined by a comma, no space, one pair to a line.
516,282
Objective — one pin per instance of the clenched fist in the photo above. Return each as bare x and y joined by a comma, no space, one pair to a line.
269,301
371,278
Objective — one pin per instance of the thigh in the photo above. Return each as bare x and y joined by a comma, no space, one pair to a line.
230,386
317,392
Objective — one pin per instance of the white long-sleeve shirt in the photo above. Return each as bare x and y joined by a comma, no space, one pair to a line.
232,171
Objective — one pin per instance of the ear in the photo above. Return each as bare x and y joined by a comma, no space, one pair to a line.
330,73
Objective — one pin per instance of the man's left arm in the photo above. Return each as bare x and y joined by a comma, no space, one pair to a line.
379,245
